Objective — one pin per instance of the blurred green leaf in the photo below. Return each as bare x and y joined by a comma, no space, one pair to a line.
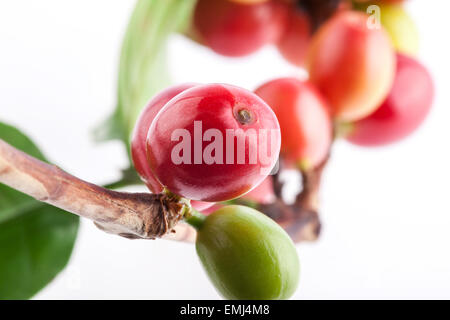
36,239
143,69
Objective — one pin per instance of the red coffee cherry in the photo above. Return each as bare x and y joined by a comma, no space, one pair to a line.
352,65
405,108
138,142
306,127
293,44
233,29
213,142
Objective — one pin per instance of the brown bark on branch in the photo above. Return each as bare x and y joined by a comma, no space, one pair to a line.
301,219
131,215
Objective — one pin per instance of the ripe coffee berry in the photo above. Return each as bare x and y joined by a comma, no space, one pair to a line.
305,122
138,142
294,42
213,143
352,65
233,29
403,111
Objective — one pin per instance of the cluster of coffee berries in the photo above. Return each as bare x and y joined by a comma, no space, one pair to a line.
237,28
206,142
360,56
364,84
215,143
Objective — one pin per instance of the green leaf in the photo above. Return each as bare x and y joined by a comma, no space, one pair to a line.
143,69
36,239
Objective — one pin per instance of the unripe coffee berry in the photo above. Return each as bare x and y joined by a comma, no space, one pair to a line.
247,255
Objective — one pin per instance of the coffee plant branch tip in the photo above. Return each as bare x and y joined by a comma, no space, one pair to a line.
130,215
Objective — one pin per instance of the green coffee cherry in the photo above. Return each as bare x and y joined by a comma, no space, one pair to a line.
247,255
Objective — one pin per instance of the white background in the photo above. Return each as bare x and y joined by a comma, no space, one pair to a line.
386,211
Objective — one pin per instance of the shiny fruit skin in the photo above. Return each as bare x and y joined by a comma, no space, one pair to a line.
236,30
305,122
401,28
293,44
405,108
351,65
138,141
247,255
218,107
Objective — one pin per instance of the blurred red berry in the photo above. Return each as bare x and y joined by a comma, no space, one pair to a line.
233,29
263,193
352,65
293,44
306,127
405,108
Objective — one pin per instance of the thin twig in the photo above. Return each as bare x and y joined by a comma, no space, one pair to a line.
131,215
301,219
